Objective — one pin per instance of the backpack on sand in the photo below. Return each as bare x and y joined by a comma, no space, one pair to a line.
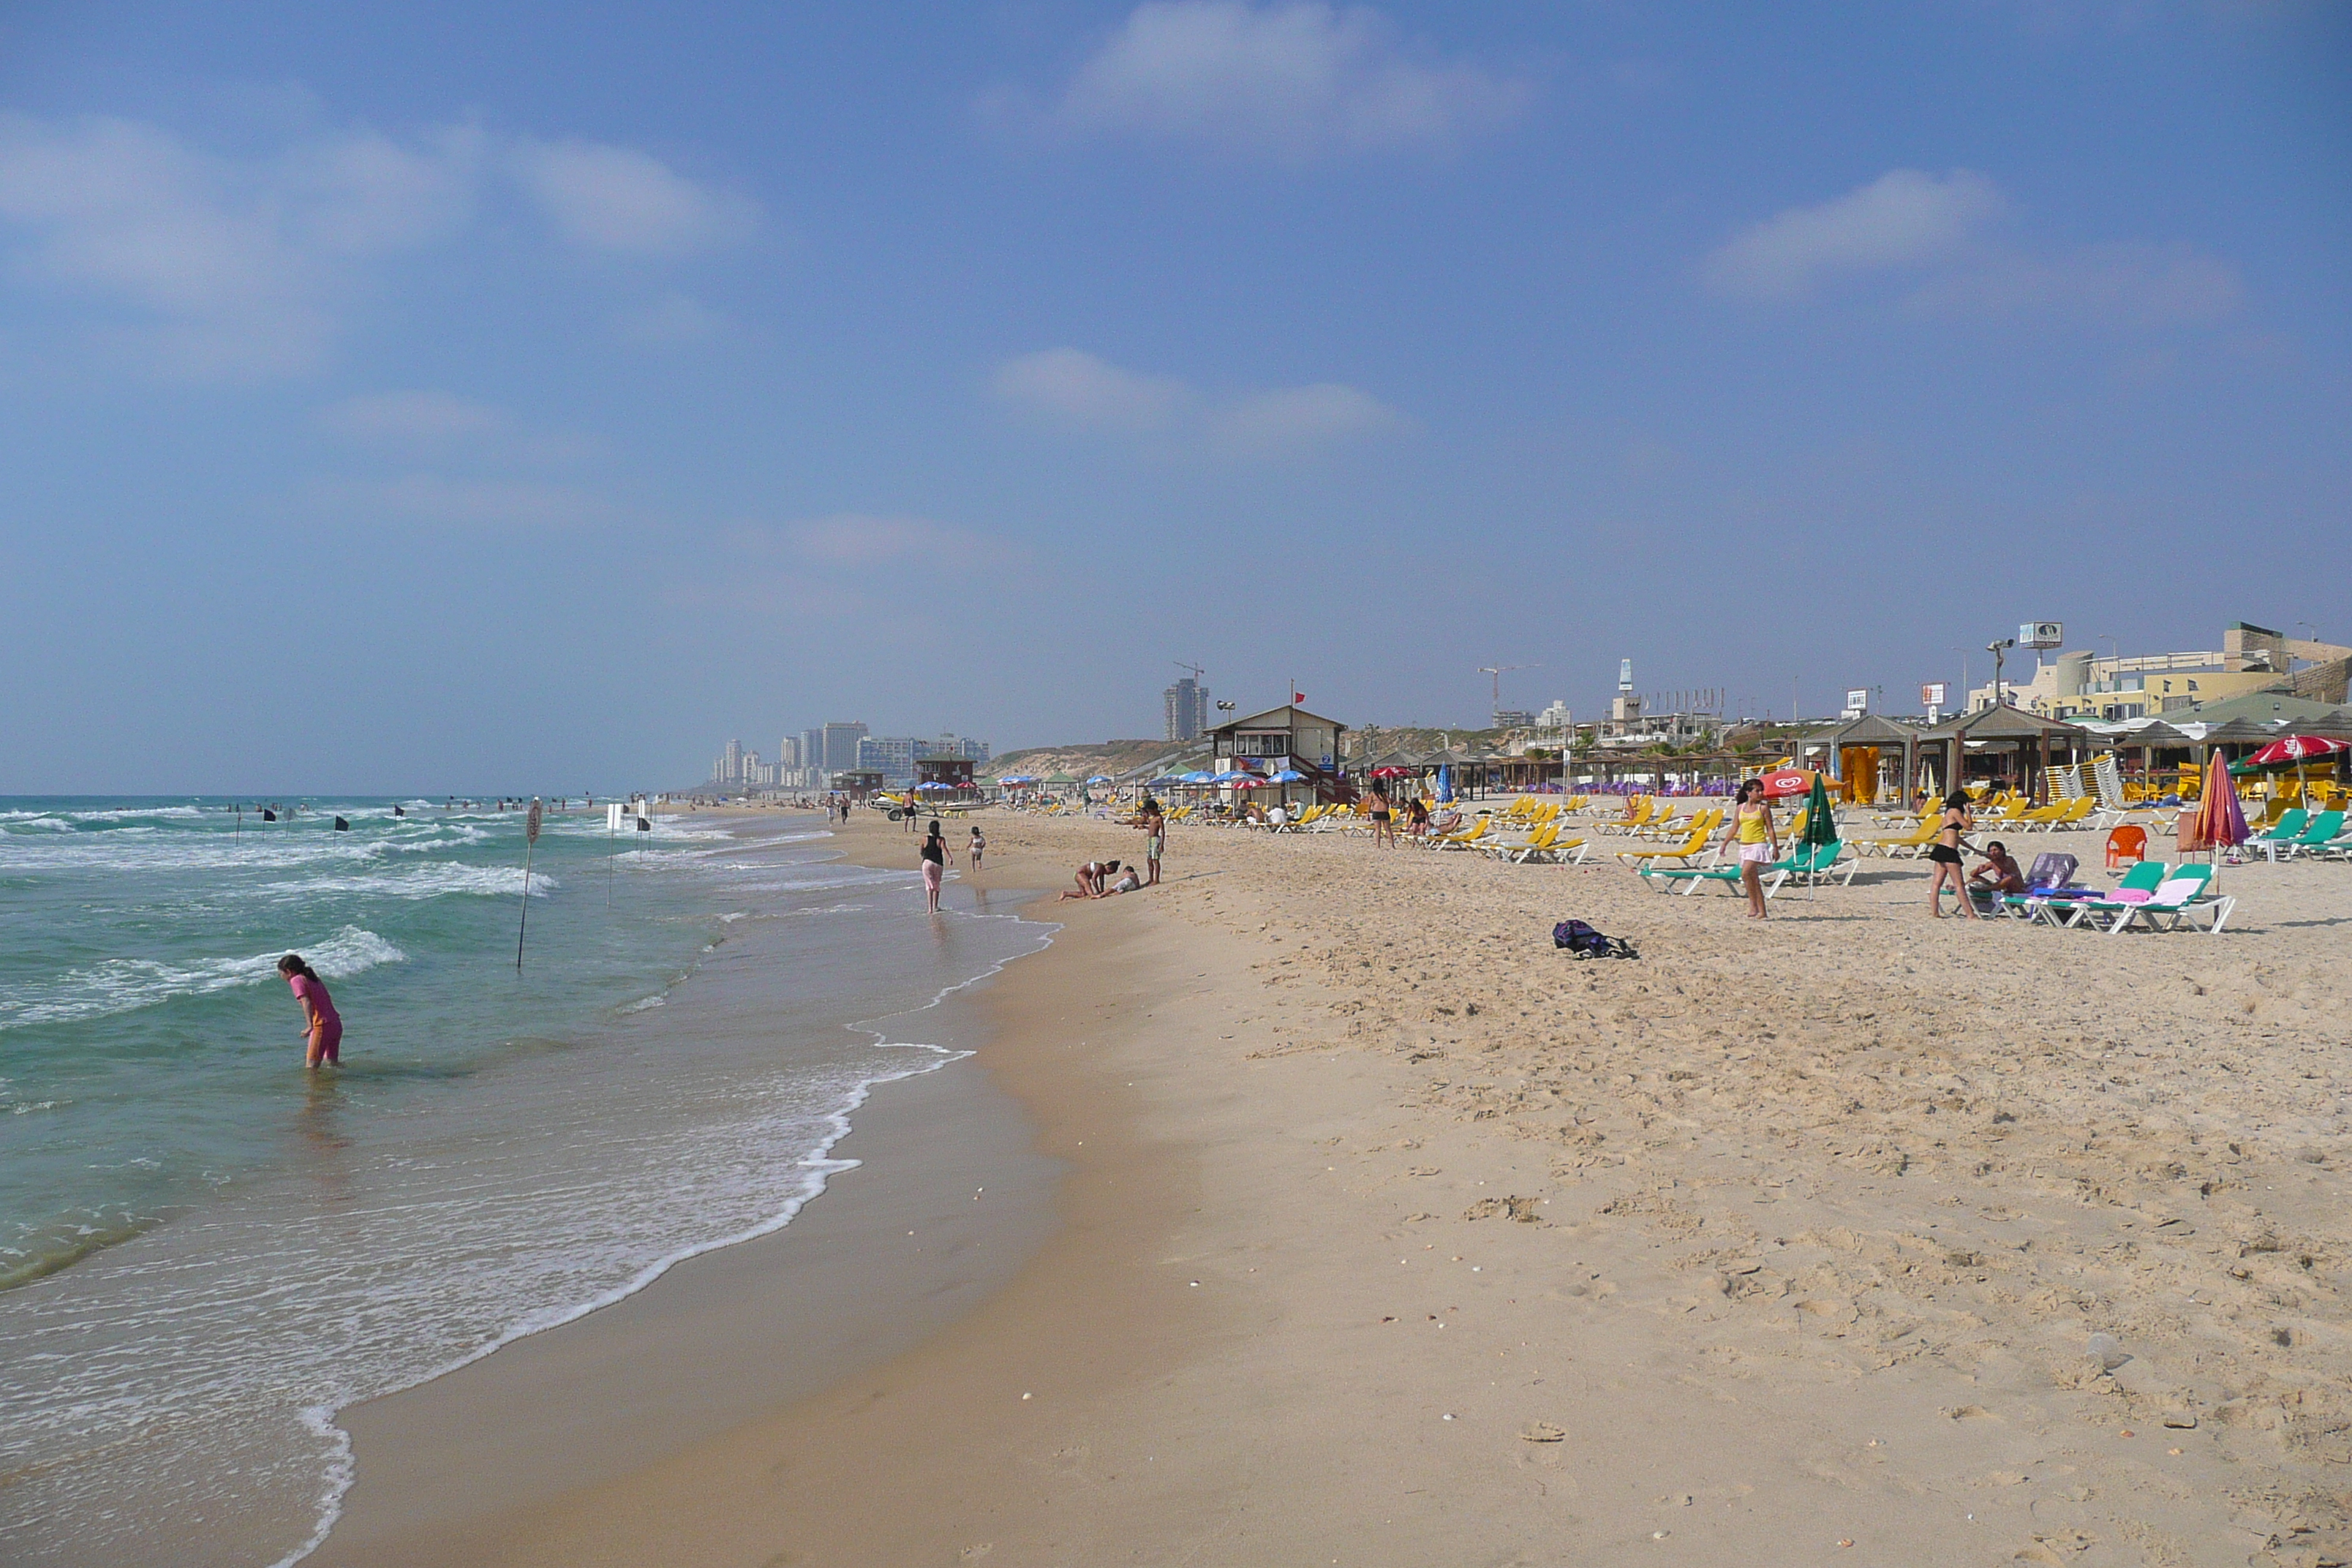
1580,941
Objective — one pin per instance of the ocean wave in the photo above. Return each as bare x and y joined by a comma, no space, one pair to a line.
419,882
127,985
128,850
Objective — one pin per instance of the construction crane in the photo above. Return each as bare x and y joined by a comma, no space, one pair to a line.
1194,670
1498,672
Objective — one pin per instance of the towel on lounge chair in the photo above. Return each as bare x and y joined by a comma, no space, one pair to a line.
2050,871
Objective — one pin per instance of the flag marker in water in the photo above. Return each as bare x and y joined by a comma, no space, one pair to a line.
530,838
611,830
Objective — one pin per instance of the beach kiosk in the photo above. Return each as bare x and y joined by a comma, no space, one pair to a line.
860,784
946,778
1282,740
1855,752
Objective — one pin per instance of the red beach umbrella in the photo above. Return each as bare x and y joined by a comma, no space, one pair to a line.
1782,784
1391,773
2299,749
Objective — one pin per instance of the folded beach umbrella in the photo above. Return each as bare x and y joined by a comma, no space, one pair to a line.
2219,820
1446,785
1821,829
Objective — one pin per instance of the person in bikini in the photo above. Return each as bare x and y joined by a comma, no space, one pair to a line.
1383,816
1944,854
979,846
1091,877
1758,839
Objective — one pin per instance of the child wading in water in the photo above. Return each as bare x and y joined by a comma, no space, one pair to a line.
322,1026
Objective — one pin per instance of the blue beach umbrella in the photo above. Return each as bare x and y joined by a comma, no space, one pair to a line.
1445,785
1288,775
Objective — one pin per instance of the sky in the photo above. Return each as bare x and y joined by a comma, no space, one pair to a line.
531,397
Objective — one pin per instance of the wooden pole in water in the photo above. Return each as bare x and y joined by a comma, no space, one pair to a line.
530,838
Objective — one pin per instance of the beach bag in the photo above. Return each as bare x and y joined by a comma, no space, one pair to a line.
1580,941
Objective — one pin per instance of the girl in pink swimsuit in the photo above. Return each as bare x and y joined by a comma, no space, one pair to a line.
322,1026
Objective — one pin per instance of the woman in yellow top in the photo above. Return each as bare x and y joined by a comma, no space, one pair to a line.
1758,839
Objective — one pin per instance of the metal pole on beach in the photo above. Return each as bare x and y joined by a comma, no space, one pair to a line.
529,838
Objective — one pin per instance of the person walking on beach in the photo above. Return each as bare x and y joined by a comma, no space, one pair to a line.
1945,854
1759,838
1383,816
935,865
322,1026
979,846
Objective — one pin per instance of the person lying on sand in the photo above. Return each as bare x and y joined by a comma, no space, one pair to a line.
1091,877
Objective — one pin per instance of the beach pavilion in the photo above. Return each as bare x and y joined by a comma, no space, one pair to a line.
1857,746
2024,741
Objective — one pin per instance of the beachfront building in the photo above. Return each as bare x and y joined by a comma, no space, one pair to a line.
955,773
2079,684
1280,739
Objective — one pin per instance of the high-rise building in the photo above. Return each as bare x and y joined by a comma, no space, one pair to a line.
788,753
1186,706
954,745
892,756
841,746
730,769
813,752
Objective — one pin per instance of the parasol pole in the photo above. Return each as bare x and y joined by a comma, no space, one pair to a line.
529,839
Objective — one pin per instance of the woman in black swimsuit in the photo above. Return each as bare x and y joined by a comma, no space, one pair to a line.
1384,826
1945,854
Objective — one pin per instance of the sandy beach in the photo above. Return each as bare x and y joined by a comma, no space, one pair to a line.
1350,1222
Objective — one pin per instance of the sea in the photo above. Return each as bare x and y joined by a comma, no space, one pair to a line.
206,1253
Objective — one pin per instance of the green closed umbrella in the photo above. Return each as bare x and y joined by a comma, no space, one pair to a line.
1820,828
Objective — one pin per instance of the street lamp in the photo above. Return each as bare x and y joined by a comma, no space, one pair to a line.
1999,650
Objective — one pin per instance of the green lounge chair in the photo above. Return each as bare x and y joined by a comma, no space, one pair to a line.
2180,899
2284,830
1822,862
2322,831
2145,876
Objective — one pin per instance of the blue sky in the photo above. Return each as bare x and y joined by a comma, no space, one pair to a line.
413,400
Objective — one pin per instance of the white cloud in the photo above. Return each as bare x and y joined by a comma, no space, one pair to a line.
232,267
1947,238
412,417
1904,218
1303,419
1294,80
222,267
617,198
1074,387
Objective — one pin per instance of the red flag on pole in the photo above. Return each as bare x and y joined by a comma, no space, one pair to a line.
1298,696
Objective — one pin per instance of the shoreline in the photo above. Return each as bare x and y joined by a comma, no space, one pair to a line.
422,1479
1387,1234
